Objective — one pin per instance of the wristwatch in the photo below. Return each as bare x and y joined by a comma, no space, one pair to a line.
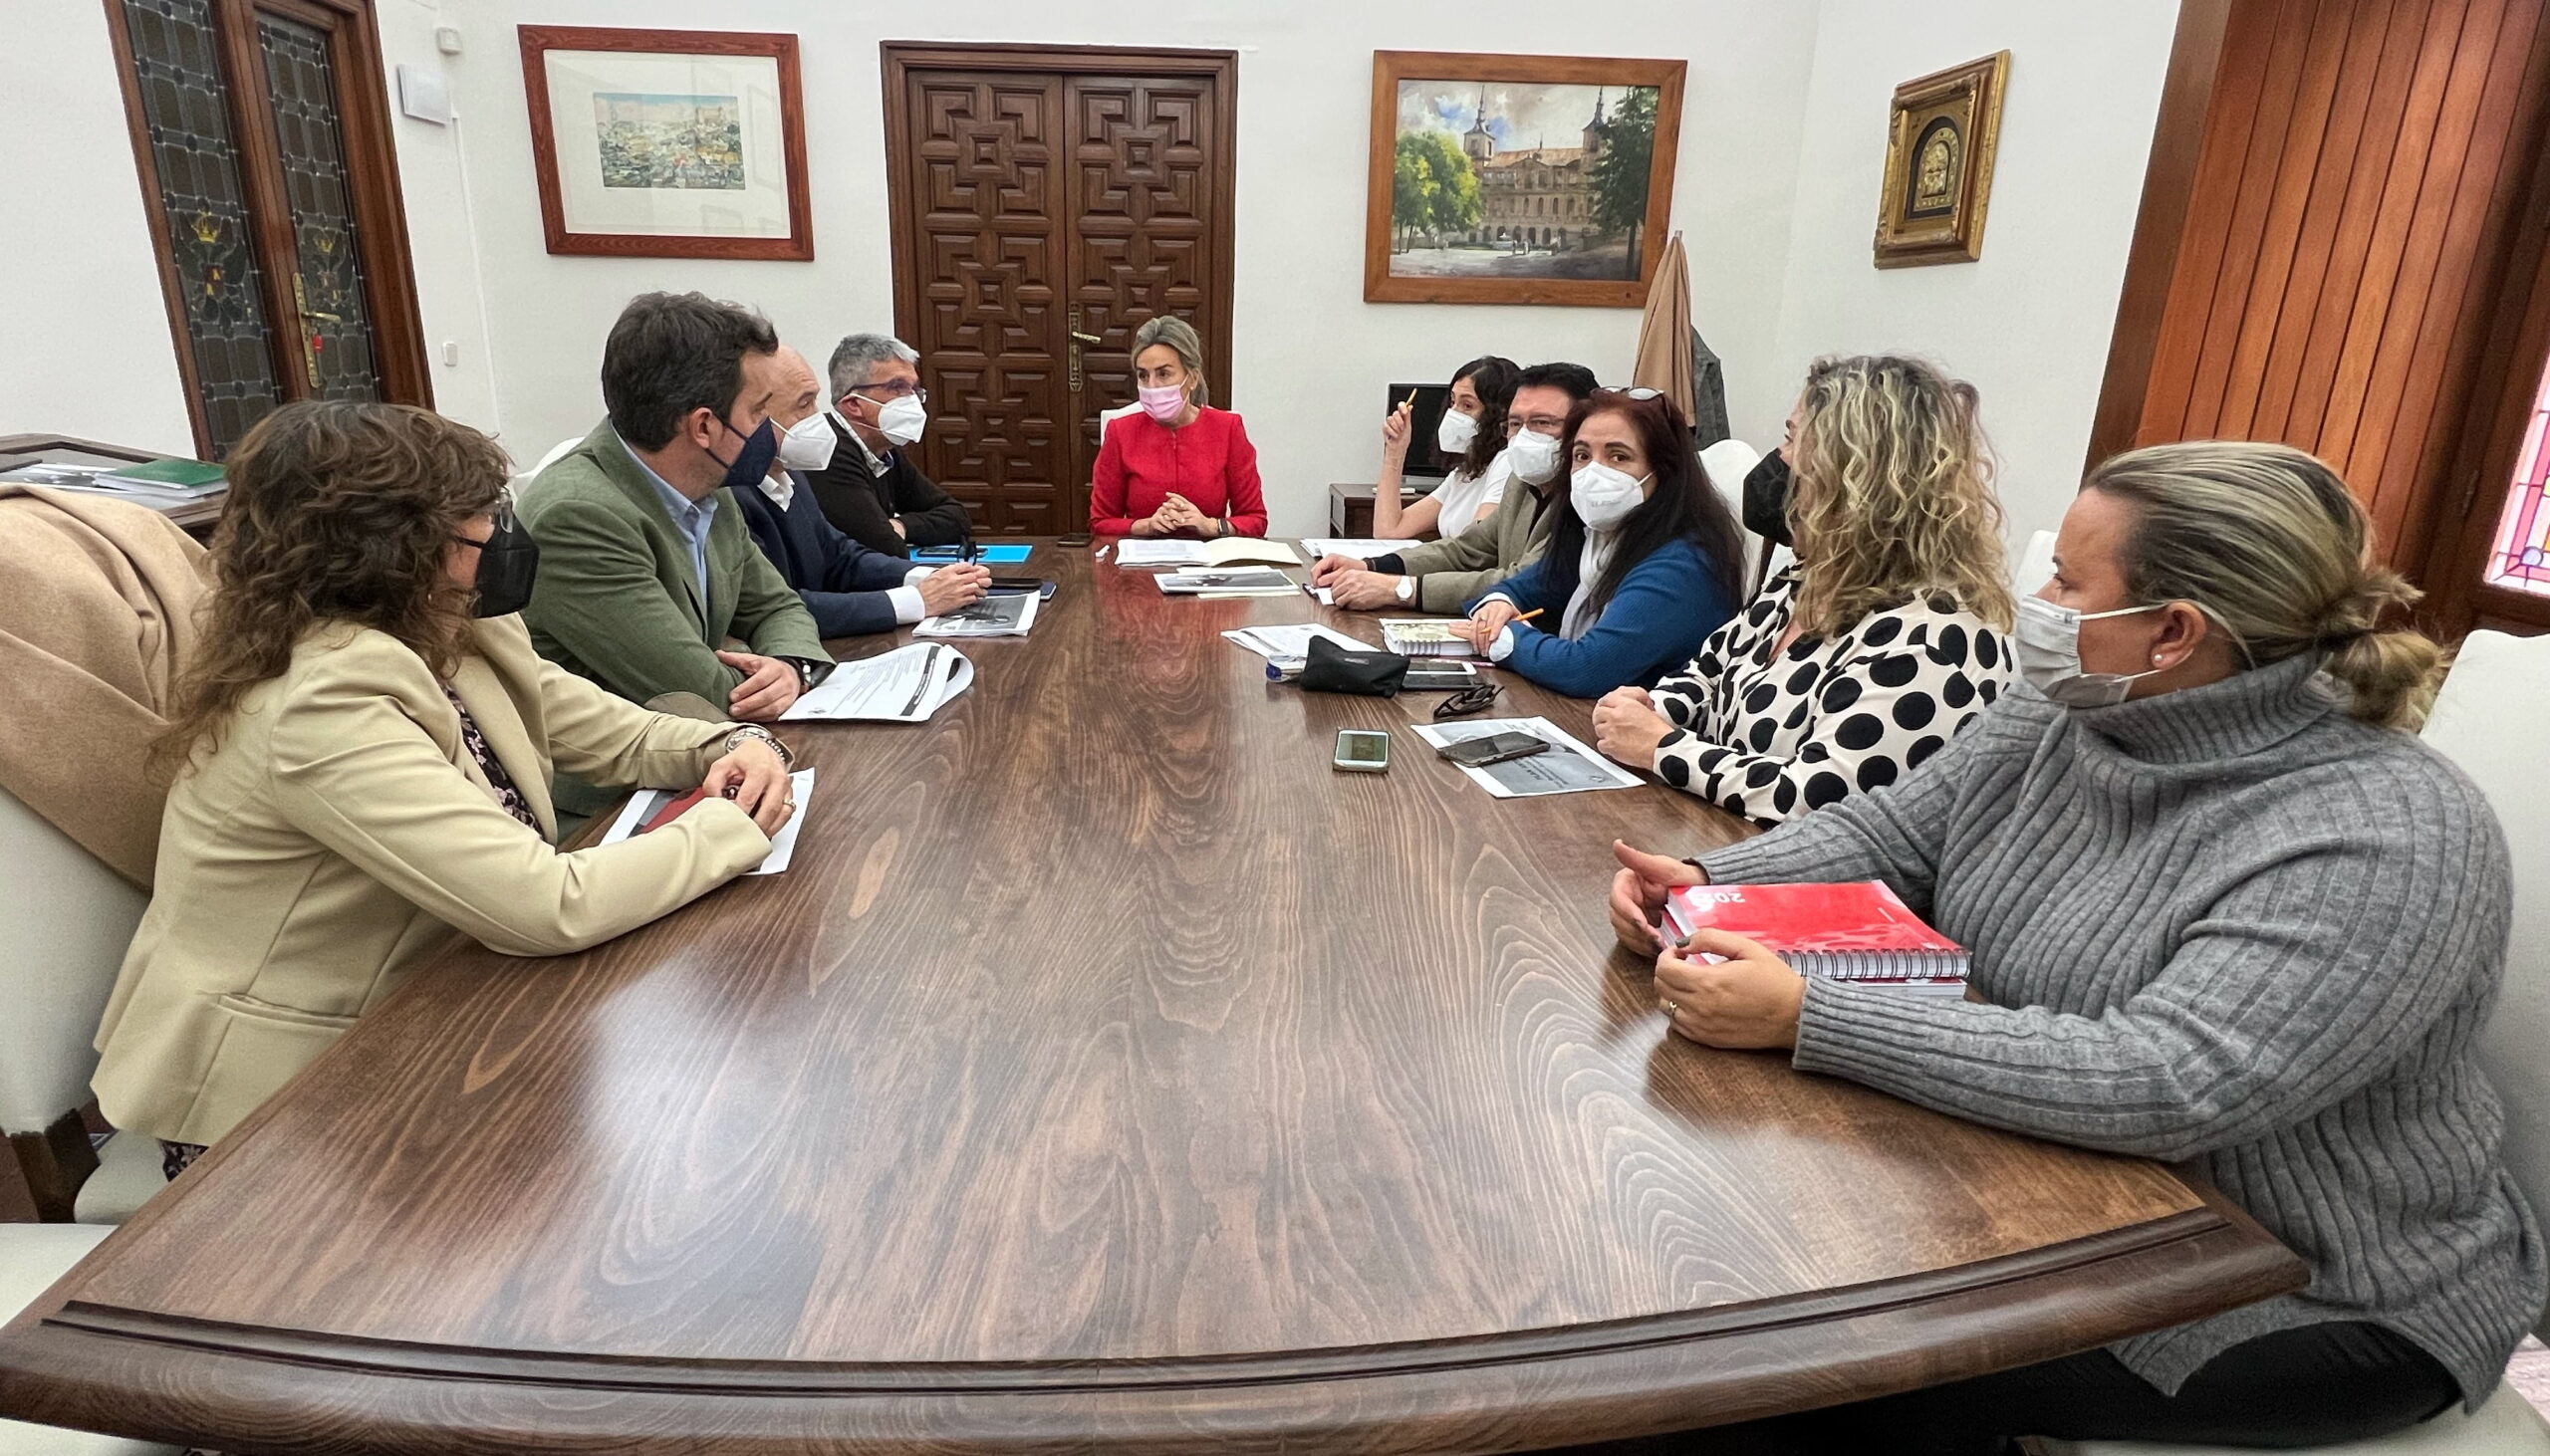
736,739
809,673
1407,589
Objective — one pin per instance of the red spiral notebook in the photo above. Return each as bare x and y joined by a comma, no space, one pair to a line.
1857,931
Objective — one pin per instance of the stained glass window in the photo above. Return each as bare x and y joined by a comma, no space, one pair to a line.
336,333
2519,555
177,60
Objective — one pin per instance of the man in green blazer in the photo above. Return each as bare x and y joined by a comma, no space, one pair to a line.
647,568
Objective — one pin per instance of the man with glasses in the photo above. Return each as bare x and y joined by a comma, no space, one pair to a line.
1440,576
871,491
646,571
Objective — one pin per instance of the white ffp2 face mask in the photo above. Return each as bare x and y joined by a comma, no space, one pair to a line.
1533,456
900,420
1603,496
2048,647
808,445
1453,435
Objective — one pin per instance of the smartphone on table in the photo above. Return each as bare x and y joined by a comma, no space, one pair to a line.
1362,751
1495,748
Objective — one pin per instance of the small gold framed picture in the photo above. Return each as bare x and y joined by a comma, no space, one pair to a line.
1942,133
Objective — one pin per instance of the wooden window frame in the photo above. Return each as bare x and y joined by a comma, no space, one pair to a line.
377,204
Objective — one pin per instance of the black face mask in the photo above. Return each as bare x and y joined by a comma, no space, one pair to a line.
508,560
752,462
1766,499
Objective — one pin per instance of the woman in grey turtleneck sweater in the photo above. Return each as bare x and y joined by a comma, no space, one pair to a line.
2224,908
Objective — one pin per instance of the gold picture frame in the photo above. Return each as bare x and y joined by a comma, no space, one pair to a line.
1942,136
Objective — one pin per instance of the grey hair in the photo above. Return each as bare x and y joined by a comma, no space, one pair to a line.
2274,548
1180,339
856,356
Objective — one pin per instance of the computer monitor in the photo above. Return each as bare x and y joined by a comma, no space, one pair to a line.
1424,462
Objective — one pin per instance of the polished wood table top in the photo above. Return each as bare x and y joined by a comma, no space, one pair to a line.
1107,1072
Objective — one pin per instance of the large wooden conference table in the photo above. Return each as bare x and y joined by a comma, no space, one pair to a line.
1108,1072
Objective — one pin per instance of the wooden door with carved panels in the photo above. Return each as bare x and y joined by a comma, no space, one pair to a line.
1045,204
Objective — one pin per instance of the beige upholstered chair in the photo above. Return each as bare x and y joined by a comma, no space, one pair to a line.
63,933
2490,720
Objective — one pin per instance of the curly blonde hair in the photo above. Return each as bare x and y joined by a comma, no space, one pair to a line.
2268,540
339,511
1892,495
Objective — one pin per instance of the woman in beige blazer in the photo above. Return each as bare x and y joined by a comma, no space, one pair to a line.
362,751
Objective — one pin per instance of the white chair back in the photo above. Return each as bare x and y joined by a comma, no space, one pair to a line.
1727,464
2035,565
61,939
2491,719
1106,418
557,452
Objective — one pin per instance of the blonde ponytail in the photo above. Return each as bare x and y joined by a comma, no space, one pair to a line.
2278,553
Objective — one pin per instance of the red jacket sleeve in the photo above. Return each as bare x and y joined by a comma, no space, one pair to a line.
1246,510
1106,489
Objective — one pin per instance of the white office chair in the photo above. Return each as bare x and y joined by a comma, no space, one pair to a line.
2036,565
2488,721
1106,418
59,950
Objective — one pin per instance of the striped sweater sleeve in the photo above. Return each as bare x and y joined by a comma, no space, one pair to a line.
2310,973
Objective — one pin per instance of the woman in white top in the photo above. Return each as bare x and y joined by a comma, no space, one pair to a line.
1855,665
1472,437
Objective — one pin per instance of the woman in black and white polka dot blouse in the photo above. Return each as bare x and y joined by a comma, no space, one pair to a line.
1852,666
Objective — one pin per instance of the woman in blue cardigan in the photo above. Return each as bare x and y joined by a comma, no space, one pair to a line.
1642,559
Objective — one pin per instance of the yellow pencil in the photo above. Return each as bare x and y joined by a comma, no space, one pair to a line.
1535,612
1409,402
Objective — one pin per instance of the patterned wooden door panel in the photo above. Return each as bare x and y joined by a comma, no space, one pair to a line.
982,171
1143,200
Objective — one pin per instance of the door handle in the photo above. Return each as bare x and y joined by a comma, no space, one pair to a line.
1079,337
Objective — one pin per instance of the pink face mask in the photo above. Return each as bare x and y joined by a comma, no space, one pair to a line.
1164,403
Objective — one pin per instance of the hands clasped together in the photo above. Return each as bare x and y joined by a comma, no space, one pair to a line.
1749,998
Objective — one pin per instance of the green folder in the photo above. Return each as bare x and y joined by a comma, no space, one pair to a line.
185,475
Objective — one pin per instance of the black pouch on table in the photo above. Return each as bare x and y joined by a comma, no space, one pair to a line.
1364,671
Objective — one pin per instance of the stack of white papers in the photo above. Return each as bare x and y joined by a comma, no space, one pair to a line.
1241,581
1568,766
642,805
1359,546
1223,551
1007,616
905,685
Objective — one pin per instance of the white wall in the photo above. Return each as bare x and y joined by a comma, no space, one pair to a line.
85,347
1309,356
1783,139
2029,322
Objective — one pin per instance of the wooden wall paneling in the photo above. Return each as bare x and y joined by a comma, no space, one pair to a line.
2437,374
2160,223
2376,285
2245,230
2436,240
2273,356
2289,196
2319,349
2215,189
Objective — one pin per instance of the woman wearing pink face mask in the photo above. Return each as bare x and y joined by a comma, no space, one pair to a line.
1179,467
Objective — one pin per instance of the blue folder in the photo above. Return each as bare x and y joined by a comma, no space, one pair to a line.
991,556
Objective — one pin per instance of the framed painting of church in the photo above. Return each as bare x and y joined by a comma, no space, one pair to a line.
1519,179
1941,135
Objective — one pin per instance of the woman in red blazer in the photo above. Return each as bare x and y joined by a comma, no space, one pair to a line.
1177,468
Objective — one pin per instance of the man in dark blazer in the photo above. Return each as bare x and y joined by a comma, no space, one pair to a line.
871,491
851,590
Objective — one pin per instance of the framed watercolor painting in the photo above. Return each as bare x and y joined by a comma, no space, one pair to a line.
669,144
1941,135
1519,179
